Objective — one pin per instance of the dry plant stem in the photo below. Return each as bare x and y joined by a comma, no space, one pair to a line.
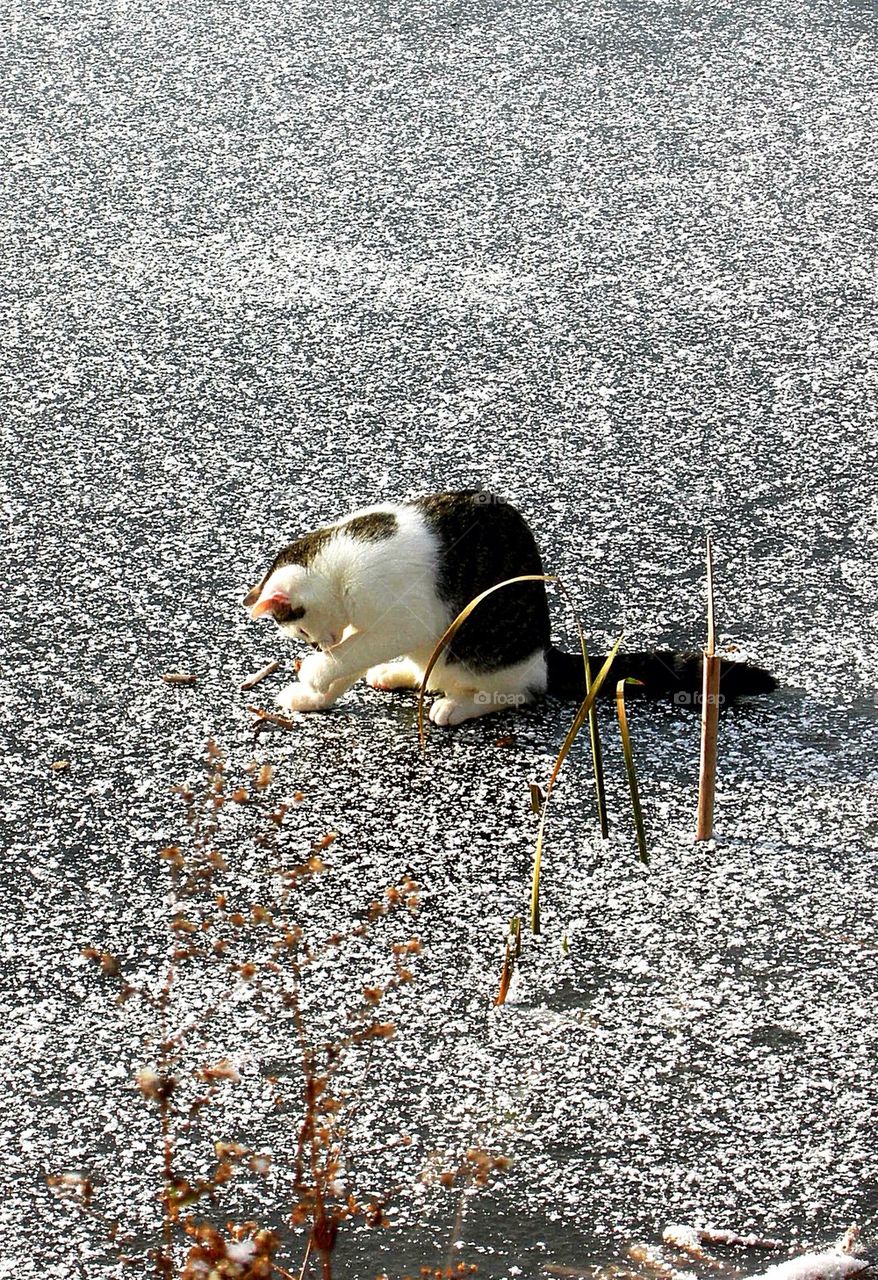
165,1260
711,625
709,717
692,1239
304,1265
709,731
578,721
627,752
506,975
270,717
571,1273
451,631
258,676
109,1227
513,951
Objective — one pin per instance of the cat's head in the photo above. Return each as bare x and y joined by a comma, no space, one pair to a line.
303,604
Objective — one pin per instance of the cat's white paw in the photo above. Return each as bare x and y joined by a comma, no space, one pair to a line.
394,675
449,711
301,697
318,671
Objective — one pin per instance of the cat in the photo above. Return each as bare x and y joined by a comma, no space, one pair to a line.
375,592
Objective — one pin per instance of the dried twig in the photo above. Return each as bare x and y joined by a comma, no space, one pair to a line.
258,676
179,677
692,1239
271,717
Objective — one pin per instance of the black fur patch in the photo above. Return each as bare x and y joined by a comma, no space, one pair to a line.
484,540
304,549
374,527
302,552
663,673
286,613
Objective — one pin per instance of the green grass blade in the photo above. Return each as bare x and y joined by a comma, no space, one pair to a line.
627,752
578,721
597,758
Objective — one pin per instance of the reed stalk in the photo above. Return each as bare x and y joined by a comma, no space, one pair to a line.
710,700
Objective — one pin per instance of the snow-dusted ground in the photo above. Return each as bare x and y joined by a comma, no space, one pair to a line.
264,264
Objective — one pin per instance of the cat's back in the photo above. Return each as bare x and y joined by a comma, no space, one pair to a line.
478,526
464,527
481,539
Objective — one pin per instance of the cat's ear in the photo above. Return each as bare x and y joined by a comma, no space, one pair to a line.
252,595
277,604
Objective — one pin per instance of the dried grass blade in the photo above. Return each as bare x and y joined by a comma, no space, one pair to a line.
628,754
710,696
452,630
578,721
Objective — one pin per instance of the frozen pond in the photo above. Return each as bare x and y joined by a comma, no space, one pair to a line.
265,265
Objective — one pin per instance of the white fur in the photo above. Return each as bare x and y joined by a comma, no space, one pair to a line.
404,674
370,602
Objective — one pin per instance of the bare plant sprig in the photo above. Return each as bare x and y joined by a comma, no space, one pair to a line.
266,948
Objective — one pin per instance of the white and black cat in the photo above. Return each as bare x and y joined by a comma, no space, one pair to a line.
376,591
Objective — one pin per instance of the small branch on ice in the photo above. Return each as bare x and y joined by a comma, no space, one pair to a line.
270,717
692,1239
258,676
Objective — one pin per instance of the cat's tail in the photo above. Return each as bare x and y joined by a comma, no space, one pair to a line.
664,673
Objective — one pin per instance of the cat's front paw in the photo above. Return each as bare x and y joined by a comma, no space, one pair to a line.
301,697
450,711
394,675
318,671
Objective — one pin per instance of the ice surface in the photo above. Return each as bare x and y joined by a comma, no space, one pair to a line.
263,265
